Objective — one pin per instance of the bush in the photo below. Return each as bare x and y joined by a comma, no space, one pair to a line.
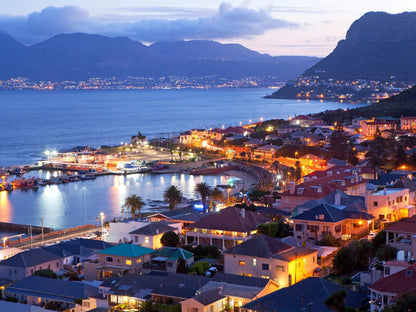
201,252
386,253
274,229
170,239
199,267
343,261
46,273
329,240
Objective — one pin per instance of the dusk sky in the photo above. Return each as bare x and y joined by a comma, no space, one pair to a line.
285,27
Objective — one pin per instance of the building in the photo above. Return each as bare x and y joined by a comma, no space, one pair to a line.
390,204
38,290
166,259
369,128
386,289
265,257
266,152
402,236
307,295
326,219
408,123
149,235
306,121
26,263
226,228
117,261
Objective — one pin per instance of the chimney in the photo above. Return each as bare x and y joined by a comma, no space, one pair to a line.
385,191
329,173
243,213
292,187
337,199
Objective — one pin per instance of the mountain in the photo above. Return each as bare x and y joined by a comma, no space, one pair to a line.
378,46
80,56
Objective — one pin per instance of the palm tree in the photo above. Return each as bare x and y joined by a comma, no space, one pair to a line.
203,190
134,202
173,196
217,195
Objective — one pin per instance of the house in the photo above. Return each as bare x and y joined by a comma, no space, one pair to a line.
149,235
318,185
326,219
266,152
336,162
28,262
38,290
117,261
226,228
17,307
406,183
306,121
386,289
307,295
118,231
402,236
288,129
266,257
166,259
390,204
369,128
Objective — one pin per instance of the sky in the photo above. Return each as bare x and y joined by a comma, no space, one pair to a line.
279,27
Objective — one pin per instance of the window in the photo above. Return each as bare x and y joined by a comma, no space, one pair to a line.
254,262
246,274
49,266
338,228
136,239
146,240
313,259
387,271
118,260
279,268
138,260
241,262
298,227
128,262
265,266
108,259
375,204
265,276
169,264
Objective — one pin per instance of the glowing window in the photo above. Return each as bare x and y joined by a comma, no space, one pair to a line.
128,262
241,262
146,240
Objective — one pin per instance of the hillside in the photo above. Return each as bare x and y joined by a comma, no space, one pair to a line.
81,56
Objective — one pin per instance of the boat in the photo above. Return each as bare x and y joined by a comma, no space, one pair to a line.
17,171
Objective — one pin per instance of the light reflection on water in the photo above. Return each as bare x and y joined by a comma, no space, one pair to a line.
77,203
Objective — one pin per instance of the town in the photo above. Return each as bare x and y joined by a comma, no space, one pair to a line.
321,214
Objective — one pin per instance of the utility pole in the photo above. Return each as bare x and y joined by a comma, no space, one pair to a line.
41,221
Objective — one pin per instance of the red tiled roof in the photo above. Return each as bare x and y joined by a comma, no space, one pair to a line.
402,281
327,184
231,219
335,169
404,225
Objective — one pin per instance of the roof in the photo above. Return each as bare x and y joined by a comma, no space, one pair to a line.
44,287
209,296
294,253
399,282
231,219
311,290
404,183
329,213
259,246
407,225
133,285
126,250
30,258
240,280
180,285
154,228
232,290
173,253
187,214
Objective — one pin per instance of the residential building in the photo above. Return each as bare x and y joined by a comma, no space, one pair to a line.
118,231
38,290
226,228
166,259
390,204
326,219
402,236
306,121
149,235
28,262
408,123
386,289
316,186
117,261
307,295
369,128
266,152
266,257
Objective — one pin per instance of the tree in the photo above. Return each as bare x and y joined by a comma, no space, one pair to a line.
203,190
386,253
406,302
338,143
217,195
298,171
336,301
46,273
146,306
343,261
173,196
400,156
170,239
134,202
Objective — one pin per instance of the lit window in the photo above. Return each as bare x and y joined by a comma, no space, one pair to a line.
265,276
128,262
254,262
146,240
241,262
138,260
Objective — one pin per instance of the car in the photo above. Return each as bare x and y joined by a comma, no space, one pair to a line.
317,272
372,234
211,271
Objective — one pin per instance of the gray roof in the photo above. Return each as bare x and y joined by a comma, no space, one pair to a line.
153,228
52,288
240,280
180,285
232,290
259,246
138,286
30,258
294,253
187,214
311,290
337,162
404,183
209,296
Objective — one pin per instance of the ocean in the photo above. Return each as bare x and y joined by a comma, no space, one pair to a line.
34,121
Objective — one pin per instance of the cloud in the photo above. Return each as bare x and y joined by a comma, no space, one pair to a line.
227,22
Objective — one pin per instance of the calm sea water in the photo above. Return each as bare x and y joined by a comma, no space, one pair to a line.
33,121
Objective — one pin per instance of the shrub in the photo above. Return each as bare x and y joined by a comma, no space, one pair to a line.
199,267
